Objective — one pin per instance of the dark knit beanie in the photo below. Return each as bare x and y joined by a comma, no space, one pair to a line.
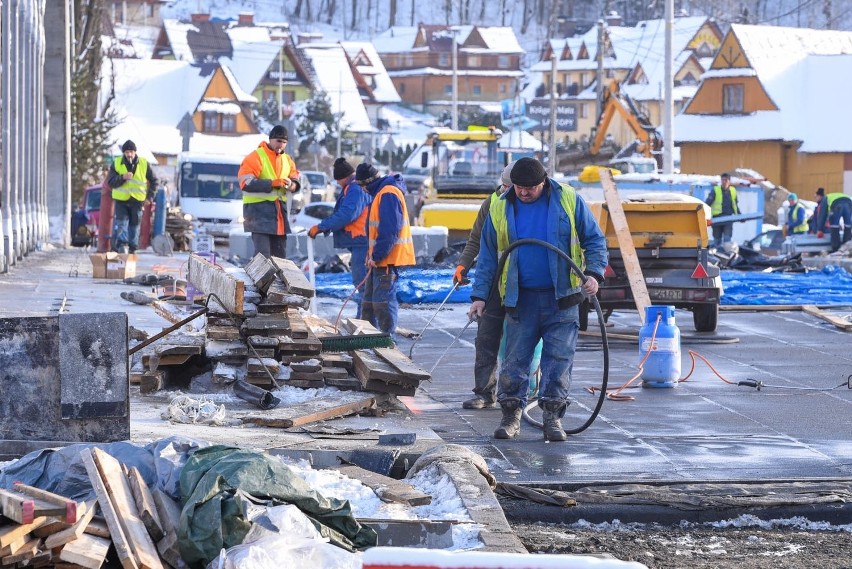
366,173
278,131
342,169
820,191
128,145
528,172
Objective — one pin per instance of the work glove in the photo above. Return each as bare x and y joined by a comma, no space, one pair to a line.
281,183
820,234
459,277
314,231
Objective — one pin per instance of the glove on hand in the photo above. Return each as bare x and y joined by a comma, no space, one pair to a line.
314,231
281,183
459,277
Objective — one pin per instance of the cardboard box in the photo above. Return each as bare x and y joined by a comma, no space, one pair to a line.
113,265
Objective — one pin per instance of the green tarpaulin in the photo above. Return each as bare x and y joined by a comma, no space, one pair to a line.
212,517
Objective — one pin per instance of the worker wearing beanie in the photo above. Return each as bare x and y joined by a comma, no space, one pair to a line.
133,184
266,176
389,246
797,217
722,200
831,209
489,329
348,223
541,294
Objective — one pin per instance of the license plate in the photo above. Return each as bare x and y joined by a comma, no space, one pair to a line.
665,293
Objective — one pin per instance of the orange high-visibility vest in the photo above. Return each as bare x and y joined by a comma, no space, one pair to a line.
402,252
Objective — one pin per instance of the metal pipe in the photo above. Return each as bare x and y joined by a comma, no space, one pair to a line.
255,395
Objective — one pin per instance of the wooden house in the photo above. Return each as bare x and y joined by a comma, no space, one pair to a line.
773,101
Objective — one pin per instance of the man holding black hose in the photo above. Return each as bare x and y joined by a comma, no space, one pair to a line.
541,294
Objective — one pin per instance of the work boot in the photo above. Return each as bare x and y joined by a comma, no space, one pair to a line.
552,412
478,402
510,426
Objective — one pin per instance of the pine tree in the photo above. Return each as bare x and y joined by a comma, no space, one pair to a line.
91,120
318,125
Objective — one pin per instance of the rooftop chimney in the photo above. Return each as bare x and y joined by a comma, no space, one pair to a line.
613,19
309,37
245,19
198,18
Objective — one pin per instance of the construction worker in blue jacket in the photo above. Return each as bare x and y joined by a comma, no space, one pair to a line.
348,223
541,294
831,209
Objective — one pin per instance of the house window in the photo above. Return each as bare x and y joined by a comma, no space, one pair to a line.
503,61
584,111
443,59
477,90
409,60
229,123
402,88
448,89
474,61
732,98
502,88
211,122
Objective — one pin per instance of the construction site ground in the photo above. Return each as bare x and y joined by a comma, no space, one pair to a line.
703,451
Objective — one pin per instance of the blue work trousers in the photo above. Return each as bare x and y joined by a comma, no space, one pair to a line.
537,316
358,267
379,306
840,210
126,225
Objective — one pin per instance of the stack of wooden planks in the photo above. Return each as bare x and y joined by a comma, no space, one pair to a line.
43,529
256,331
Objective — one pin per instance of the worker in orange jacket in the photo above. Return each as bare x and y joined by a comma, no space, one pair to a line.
266,176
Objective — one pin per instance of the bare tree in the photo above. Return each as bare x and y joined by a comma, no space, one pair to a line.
297,11
525,17
354,14
827,12
448,11
332,8
392,15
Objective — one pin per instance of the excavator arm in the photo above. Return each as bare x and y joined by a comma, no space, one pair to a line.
615,102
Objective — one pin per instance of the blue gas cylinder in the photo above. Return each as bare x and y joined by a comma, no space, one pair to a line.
662,368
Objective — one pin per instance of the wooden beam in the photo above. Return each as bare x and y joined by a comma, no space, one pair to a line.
838,321
386,488
69,505
145,504
24,509
87,551
328,413
116,531
293,277
625,243
70,534
128,516
211,279
11,534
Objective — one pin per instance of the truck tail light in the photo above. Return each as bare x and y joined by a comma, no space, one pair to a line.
700,272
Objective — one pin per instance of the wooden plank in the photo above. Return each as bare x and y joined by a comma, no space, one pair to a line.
15,545
329,413
128,516
97,527
403,363
28,551
170,312
293,277
261,271
839,322
211,279
73,532
24,509
223,332
116,531
11,534
279,295
369,366
69,505
386,488
625,243
87,551
145,504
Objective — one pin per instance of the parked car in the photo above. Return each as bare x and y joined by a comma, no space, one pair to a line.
322,186
84,221
310,215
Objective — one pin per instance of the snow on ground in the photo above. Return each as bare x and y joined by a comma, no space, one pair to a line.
743,521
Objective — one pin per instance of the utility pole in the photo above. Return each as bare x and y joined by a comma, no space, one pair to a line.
668,98
281,84
455,123
340,113
599,86
553,62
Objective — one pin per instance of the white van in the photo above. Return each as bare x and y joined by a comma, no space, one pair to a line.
209,191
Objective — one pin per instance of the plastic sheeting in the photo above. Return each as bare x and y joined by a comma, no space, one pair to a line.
831,285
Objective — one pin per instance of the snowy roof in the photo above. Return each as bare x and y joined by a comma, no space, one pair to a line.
177,33
253,53
335,78
239,93
499,39
461,72
135,41
151,98
799,68
382,86
396,39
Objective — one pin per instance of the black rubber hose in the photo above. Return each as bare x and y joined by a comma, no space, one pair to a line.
495,296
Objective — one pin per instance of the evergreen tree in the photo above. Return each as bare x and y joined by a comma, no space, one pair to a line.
91,120
317,124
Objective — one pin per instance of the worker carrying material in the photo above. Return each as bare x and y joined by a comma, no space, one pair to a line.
540,294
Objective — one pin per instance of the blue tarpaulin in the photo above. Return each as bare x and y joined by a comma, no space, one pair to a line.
831,285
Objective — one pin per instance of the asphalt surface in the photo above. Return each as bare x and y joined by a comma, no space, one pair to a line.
795,428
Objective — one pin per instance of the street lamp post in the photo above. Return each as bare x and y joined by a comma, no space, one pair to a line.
454,31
